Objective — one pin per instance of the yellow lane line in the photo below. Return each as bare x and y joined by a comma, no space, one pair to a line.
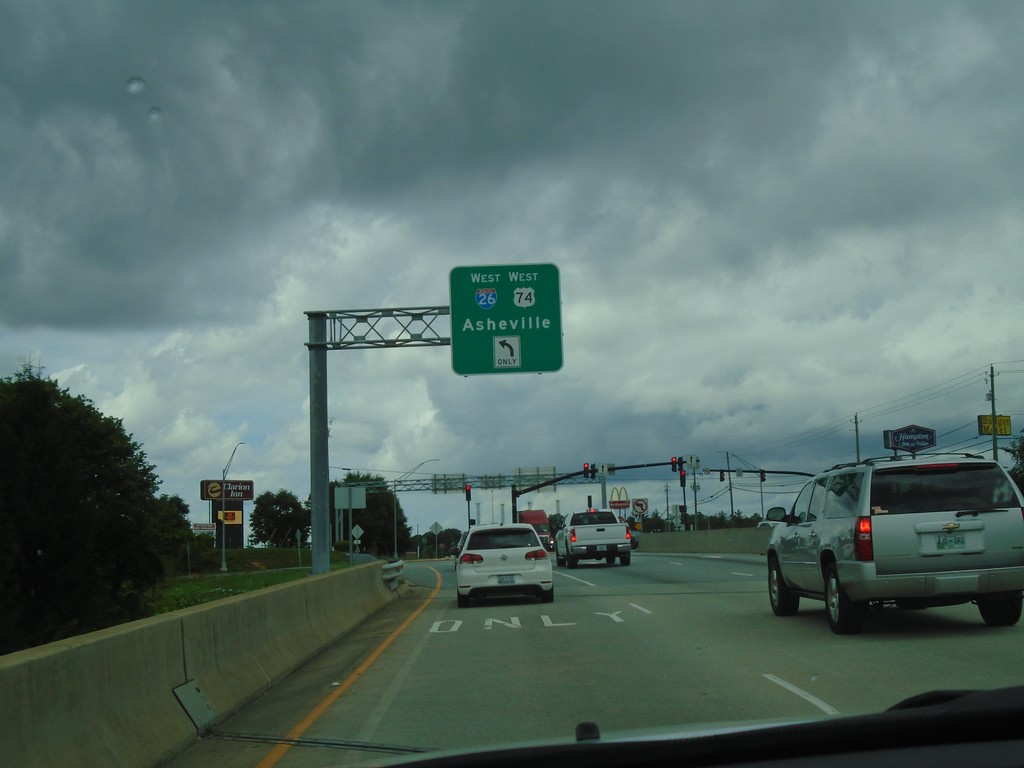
314,714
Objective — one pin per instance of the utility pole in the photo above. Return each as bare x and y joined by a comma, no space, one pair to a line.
732,510
992,397
694,466
856,433
683,510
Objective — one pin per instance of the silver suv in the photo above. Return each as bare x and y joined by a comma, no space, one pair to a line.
914,532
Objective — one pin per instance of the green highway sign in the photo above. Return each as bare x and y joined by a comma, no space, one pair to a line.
506,319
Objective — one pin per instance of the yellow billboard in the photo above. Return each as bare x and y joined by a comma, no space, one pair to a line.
1002,425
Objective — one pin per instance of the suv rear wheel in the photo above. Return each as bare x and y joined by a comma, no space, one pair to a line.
784,602
1000,610
845,616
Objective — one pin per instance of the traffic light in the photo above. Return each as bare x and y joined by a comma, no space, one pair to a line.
675,463
469,492
589,470
721,475
682,478
762,475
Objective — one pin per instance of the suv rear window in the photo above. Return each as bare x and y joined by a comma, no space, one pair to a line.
940,488
502,539
594,518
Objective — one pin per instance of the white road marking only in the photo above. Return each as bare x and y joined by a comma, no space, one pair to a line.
576,578
828,710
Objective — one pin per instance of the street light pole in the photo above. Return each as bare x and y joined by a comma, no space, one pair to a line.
394,499
223,508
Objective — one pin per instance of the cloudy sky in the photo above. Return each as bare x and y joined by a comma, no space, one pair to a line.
769,219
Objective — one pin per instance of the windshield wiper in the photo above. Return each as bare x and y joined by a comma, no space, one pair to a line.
360,746
930,699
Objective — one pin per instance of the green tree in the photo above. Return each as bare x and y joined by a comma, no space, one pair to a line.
170,532
1016,450
378,519
276,517
77,513
557,521
442,545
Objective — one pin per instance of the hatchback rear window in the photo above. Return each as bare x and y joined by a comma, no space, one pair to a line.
506,539
940,488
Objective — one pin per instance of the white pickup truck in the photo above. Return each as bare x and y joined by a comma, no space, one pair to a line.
593,534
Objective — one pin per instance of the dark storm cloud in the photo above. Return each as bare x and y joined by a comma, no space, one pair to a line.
425,111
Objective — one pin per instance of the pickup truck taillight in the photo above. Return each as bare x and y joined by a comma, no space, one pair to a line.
572,535
628,534
863,548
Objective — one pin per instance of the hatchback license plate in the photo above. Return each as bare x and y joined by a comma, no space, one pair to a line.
507,579
951,542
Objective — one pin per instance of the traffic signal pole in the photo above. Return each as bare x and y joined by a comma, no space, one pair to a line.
589,470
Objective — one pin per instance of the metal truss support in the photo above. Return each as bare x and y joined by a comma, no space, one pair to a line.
350,329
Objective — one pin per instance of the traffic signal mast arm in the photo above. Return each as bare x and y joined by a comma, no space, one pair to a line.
587,471
723,472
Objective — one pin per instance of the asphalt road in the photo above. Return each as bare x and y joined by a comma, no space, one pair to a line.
670,640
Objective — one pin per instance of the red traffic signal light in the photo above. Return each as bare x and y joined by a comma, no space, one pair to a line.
589,470
675,463
682,478
469,492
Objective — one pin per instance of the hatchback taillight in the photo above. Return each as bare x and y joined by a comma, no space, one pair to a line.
537,554
863,548
471,557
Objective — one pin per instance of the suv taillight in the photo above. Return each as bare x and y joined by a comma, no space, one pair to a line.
863,548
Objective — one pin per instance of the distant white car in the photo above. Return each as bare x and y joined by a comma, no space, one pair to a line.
503,560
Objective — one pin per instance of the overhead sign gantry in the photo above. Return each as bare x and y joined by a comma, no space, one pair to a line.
505,319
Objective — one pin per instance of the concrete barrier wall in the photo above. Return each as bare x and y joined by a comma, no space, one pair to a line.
108,697
98,699
237,648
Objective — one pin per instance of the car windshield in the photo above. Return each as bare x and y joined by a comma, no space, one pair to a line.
309,309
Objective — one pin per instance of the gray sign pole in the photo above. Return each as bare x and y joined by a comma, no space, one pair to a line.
350,329
319,472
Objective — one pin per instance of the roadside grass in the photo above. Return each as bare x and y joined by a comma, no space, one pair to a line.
248,570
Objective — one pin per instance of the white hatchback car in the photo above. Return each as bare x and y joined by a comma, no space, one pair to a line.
500,560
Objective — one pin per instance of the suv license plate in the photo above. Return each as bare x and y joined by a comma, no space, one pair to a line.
951,542
507,579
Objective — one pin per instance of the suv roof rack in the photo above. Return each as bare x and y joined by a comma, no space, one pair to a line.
898,457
